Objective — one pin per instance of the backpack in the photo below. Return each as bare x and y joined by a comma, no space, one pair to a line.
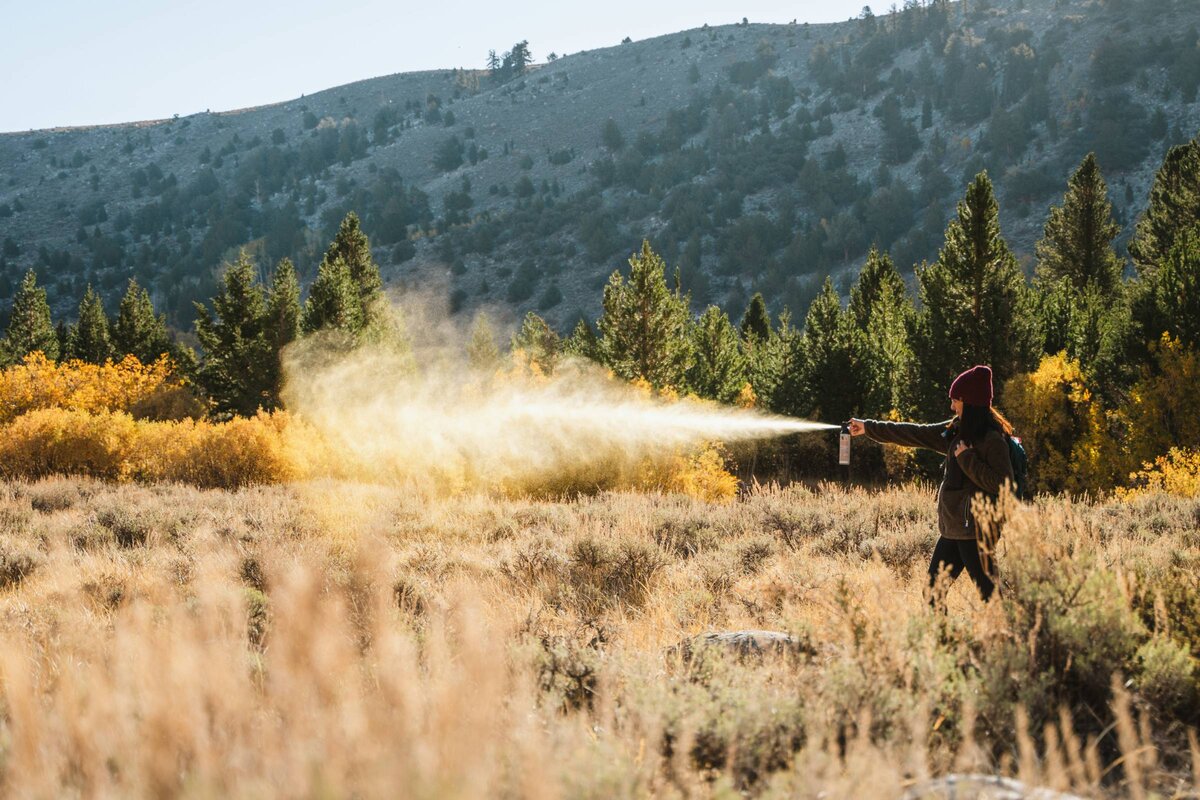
1020,465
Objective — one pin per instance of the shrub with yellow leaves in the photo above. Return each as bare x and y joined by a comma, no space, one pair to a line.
746,399
146,391
1065,429
111,445
1177,473
60,441
1163,408
244,451
703,476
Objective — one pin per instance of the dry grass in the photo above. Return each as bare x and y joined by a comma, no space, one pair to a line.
348,640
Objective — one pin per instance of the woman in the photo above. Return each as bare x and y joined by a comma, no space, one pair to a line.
977,463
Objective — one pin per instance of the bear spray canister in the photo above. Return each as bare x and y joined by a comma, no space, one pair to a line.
844,446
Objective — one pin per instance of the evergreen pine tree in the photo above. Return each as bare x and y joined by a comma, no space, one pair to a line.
137,331
353,249
1174,211
537,343
90,340
282,323
1174,207
483,355
582,342
1077,239
237,369
65,334
29,325
1101,339
610,135
756,322
1055,304
881,311
281,326
1177,289
333,303
718,369
878,274
521,58
775,368
972,298
829,387
644,325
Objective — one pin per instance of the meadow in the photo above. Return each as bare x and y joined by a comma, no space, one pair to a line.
335,638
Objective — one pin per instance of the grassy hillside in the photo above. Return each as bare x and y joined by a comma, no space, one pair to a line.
341,639
754,156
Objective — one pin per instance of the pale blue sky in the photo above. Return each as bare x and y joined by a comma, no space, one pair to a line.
80,62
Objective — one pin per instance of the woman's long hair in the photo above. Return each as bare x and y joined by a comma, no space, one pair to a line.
976,421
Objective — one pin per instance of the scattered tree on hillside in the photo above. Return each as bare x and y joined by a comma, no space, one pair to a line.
512,64
449,155
520,57
611,136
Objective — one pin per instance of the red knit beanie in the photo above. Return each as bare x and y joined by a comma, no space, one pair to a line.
973,387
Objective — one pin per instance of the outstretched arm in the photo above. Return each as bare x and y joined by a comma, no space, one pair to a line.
905,434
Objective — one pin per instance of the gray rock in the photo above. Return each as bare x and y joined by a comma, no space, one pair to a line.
743,644
981,787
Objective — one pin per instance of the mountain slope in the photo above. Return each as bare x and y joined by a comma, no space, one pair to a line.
754,156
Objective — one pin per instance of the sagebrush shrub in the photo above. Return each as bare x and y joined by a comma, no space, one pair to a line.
1068,622
17,562
1168,679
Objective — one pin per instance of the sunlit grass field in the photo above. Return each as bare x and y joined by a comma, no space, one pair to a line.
340,639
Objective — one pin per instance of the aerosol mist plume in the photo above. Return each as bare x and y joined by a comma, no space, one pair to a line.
390,416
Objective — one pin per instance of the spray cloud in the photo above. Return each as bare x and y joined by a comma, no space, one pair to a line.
513,430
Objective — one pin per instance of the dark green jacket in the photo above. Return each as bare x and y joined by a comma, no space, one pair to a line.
980,470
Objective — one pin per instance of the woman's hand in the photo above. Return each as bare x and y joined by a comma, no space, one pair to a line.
857,428
960,447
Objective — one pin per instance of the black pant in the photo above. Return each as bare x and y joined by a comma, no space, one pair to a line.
954,555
